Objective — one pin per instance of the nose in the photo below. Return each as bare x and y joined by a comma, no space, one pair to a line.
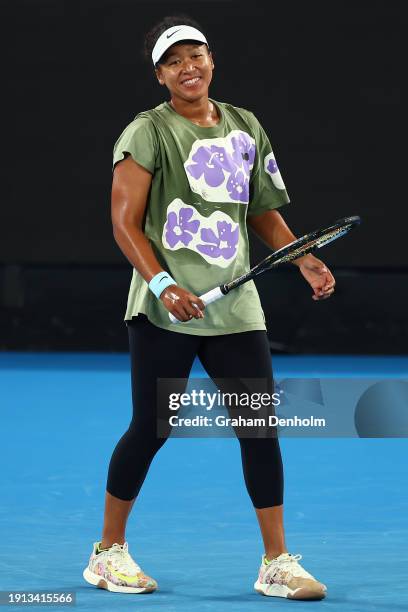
188,64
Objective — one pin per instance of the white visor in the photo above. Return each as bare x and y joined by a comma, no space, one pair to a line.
173,35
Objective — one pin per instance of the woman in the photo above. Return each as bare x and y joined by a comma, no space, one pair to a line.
189,175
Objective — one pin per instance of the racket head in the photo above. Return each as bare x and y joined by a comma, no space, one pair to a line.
307,243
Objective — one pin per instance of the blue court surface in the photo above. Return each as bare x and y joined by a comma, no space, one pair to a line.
193,527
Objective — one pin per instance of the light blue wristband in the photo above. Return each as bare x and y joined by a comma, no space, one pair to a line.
159,283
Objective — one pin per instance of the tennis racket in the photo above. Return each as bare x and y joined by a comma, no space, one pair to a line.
302,246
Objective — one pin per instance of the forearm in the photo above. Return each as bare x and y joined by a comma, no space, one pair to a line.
272,229
137,249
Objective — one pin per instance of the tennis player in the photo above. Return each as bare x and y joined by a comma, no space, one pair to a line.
189,176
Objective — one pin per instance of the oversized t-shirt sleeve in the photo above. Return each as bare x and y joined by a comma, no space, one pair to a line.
267,189
138,139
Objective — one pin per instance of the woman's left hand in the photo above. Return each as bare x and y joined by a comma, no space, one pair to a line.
318,276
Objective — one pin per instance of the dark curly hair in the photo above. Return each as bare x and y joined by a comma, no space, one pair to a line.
163,25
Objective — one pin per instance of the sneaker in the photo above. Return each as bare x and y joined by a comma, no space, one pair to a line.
285,577
115,570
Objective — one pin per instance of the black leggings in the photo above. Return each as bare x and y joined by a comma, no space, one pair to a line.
158,353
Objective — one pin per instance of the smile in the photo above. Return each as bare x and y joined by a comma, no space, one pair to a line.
191,82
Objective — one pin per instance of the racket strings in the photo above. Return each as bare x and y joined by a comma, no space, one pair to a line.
312,244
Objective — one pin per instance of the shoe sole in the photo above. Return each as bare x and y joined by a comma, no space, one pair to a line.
101,583
280,590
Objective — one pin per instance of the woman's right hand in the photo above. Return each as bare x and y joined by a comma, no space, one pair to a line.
182,304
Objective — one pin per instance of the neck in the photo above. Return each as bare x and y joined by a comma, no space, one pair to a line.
200,111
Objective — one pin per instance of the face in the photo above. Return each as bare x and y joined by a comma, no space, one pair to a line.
186,71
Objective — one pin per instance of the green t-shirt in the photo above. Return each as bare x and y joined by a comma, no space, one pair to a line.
206,180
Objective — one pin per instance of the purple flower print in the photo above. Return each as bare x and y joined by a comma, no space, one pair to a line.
244,151
211,161
238,186
272,166
181,229
224,245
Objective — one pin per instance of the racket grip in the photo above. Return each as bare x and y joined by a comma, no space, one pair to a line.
207,298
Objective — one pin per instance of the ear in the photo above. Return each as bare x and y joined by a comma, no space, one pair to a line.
212,60
159,75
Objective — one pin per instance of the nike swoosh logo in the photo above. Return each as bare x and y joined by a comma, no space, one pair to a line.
175,32
162,279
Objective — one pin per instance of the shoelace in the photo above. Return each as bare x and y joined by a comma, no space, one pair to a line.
122,560
288,563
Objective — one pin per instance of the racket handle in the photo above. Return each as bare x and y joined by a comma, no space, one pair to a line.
207,298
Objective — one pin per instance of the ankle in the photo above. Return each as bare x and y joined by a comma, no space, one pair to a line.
107,541
274,554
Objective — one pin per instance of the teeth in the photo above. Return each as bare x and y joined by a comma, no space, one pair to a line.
191,81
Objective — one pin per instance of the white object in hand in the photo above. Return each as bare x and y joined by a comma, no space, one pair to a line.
207,298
